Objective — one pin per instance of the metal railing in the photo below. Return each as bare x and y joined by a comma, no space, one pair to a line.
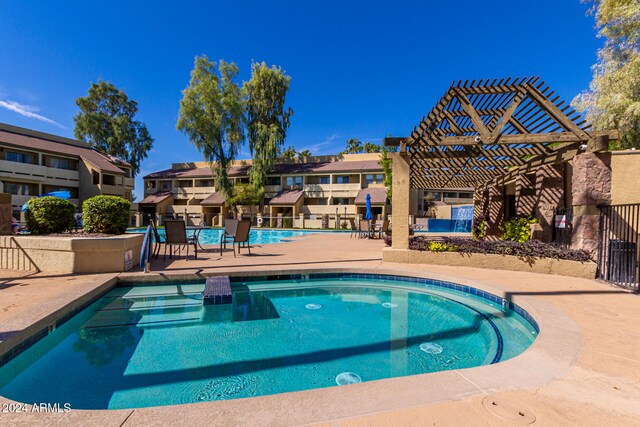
618,240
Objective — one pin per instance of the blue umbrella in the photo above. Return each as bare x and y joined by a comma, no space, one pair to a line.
65,194
368,215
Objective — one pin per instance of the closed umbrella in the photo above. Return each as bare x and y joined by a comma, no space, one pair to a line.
368,215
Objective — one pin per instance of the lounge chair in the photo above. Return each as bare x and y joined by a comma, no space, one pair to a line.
176,235
242,236
230,228
365,228
354,227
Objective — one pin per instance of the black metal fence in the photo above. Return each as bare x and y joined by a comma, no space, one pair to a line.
563,226
618,245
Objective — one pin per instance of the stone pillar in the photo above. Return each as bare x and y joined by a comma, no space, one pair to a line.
301,220
549,195
401,200
138,219
489,203
525,195
590,187
279,221
5,214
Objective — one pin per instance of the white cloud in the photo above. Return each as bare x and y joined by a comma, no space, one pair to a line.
27,111
317,148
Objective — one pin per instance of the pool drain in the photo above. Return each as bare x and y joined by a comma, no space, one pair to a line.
313,306
431,348
389,305
511,410
346,378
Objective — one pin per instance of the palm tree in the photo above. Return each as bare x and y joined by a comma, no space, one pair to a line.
354,146
304,153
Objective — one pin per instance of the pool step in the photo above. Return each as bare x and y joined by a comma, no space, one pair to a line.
150,316
150,303
217,290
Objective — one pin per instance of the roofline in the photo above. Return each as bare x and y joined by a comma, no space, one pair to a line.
42,135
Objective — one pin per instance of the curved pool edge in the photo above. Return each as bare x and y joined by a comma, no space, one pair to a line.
551,355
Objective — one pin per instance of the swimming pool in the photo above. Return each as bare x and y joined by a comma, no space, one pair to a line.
211,236
151,345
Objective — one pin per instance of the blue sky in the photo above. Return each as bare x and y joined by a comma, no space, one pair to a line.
359,69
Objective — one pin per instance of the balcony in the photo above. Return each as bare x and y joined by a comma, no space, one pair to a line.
129,182
272,188
113,190
24,170
191,192
323,190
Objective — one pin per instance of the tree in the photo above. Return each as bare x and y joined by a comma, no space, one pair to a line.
107,121
304,153
370,147
212,115
385,162
267,118
613,98
354,146
245,194
289,152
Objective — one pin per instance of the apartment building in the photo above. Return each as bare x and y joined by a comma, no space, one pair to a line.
311,189
35,163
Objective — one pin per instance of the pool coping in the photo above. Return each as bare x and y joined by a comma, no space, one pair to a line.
550,356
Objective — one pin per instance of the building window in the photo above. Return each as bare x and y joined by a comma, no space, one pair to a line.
450,195
433,196
165,185
151,184
20,188
323,180
273,180
293,181
369,179
96,178
61,163
380,178
108,179
465,195
204,183
343,179
341,201
127,172
14,156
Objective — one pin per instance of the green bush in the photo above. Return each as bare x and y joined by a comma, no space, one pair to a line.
287,222
518,229
106,214
50,215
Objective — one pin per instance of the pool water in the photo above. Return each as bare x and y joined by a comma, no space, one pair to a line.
159,345
211,236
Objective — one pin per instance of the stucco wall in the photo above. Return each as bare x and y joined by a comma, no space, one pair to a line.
494,262
76,254
625,180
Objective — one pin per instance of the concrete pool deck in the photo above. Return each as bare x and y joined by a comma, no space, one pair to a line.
594,380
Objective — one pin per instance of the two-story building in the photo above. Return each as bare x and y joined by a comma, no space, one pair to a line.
34,163
314,187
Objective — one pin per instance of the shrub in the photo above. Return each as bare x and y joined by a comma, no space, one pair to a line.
106,214
479,228
50,215
530,249
441,247
287,222
518,229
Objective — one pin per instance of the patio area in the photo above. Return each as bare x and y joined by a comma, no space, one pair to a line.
601,383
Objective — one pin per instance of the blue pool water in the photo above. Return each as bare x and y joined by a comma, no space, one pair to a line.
211,236
159,345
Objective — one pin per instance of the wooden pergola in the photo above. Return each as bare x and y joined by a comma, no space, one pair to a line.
487,132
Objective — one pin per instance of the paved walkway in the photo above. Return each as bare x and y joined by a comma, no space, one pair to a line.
601,388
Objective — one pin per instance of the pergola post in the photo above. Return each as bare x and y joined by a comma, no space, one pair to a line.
401,200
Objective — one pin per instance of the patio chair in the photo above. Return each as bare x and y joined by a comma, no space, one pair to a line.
157,238
384,229
242,236
176,235
365,228
230,229
354,227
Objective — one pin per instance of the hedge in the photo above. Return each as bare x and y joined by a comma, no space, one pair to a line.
49,214
106,214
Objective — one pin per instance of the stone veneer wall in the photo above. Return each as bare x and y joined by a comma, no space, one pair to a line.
591,186
525,194
549,195
5,214
490,204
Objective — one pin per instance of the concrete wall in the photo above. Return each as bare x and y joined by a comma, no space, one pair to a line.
625,180
71,254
